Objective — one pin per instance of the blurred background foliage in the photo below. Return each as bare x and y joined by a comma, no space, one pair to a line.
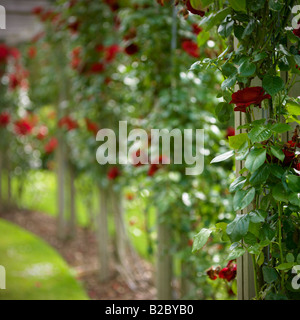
98,63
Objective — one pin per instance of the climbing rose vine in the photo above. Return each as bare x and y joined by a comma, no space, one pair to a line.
262,47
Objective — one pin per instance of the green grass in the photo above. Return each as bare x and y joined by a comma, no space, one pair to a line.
34,271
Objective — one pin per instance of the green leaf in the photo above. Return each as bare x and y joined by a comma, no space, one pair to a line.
215,19
249,29
261,175
260,133
236,142
229,82
196,4
238,228
260,56
229,69
293,108
258,216
297,59
200,239
223,157
277,171
265,202
284,64
223,111
290,258
238,31
256,159
294,199
255,249
285,266
281,127
275,5
256,4
225,29
238,184
270,274
273,84
293,183
236,253
200,4
247,69
243,198
223,226
261,259
238,5
202,38
278,153
250,239
279,193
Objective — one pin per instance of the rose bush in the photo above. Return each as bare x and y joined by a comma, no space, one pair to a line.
267,191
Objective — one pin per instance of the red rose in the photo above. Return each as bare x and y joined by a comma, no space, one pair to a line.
297,31
100,48
15,53
97,67
193,10
74,26
14,81
289,157
91,126
191,48
42,133
297,167
111,52
4,53
4,119
196,29
23,127
113,4
113,173
37,10
230,132
130,35
32,51
51,145
136,156
228,273
68,123
132,49
75,63
213,273
155,167
244,98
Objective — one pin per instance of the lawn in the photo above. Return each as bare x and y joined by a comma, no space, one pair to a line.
34,270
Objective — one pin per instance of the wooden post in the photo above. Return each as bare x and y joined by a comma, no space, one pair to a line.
1,185
72,223
61,189
103,237
245,274
164,263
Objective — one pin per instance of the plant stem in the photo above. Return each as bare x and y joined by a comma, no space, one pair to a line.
280,242
255,276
